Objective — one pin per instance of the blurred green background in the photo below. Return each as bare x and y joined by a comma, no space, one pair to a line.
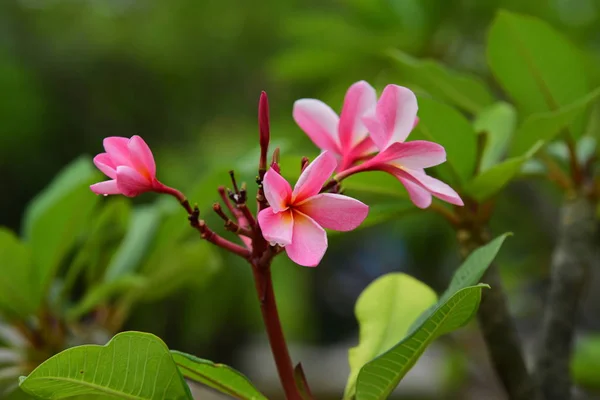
186,75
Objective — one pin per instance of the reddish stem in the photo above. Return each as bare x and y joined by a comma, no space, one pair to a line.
268,307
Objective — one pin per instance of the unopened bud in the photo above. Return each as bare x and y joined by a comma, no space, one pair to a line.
275,160
264,129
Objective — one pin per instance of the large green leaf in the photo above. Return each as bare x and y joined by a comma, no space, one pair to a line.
217,376
491,181
55,218
459,89
385,311
19,292
141,232
378,378
133,365
547,125
443,124
535,64
497,123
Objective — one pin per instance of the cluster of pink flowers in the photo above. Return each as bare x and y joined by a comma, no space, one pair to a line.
369,135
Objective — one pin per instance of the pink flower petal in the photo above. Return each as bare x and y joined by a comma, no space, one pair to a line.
419,196
117,149
277,190
334,211
376,129
319,122
360,98
276,227
131,183
313,177
437,188
309,241
105,188
417,154
141,157
395,112
105,164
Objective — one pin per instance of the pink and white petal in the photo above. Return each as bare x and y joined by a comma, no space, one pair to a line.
105,188
117,149
417,154
436,187
276,227
314,176
418,195
319,122
396,110
309,241
335,211
360,98
376,130
105,164
141,157
131,183
277,190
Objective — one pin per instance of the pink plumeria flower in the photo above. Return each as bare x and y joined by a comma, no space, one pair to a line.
130,165
295,219
346,136
389,124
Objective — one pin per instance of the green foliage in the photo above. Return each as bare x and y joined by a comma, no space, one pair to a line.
461,90
57,216
133,365
497,124
442,124
456,306
547,125
217,376
585,362
385,310
19,294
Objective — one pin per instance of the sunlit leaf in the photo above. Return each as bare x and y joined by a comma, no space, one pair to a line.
497,123
217,376
385,310
133,365
458,89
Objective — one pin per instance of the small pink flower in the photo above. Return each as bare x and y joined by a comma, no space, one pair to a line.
345,136
130,165
389,124
295,219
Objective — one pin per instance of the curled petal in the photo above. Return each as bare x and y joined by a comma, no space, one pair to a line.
417,154
117,149
309,241
131,183
360,98
105,164
419,196
335,211
141,157
319,122
105,188
276,227
313,177
436,187
277,190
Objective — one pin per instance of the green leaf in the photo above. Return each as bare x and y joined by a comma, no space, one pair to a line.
141,232
103,292
19,294
133,365
443,124
585,363
538,67
547,125
378,378
491,181
385,310
217,376
461,90
497,123
55,218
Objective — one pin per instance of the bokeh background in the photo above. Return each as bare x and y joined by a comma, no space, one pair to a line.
186,75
